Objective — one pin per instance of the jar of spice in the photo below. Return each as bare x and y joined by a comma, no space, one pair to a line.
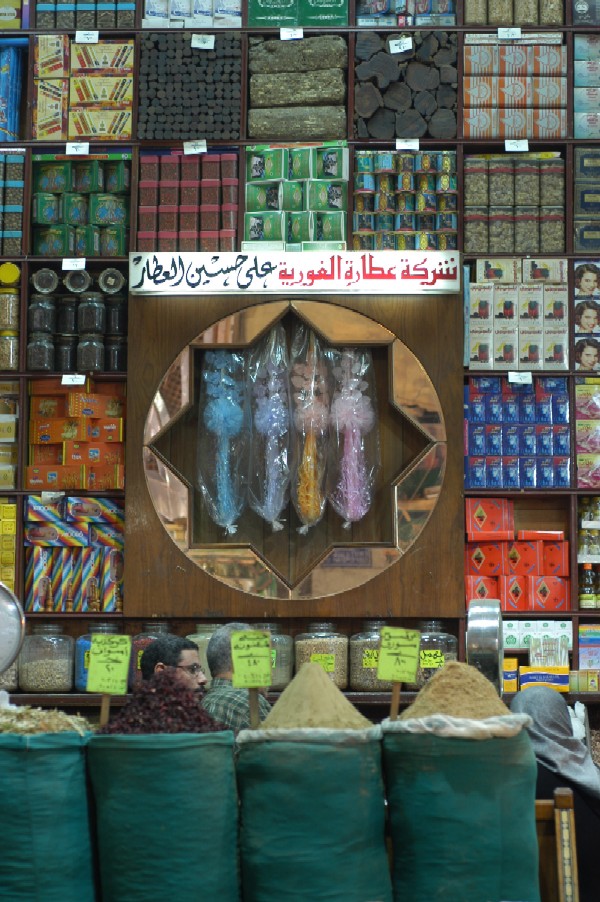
9,350
90,354
364,658
436,649
115,354
139,643
322,644
282,655
9,308
66,314
77,281
41,314
91,315
82,651
40,352
111,280
65,353
202,637
46,660
116,315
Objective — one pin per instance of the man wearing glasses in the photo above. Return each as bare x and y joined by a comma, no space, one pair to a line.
180,655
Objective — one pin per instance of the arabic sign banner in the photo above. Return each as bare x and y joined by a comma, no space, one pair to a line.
341,272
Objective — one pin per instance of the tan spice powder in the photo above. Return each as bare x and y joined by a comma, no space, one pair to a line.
312,700
458,690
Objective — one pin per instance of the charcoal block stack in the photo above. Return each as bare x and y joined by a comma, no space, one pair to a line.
187,92
406,94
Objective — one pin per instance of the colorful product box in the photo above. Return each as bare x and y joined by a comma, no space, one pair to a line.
506,303
111,580
588,471
88,598
56,478
47,406
106,534
556,350
548,593
50,107
478,587
489,518
486,558
506,347
84,122
39,510
586,125
103,453
525,558
481,347
510,674
50,55
586,73
55,534
554,677
93,405
103,58
501,269
512,592
510,634
110,91
94,510
104,477
38,577
59,429
104,429
556,558
65,578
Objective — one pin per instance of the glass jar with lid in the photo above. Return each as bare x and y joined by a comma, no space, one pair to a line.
364,658
91,314
201,638
282,654
82,651
115,354
111,280
9,678
40,352
41,314
140,642
322,644
66,314
116,315
90,353
436,648
46,660
77,281
45,280
9,350
9,308
65,353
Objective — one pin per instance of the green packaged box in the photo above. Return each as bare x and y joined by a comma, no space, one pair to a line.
322,246
75,209
265,196
109,209
299,227
264,226
87,241
330,162
320,13
329,227
292,196
326,195
88,176
272,13
113,241
299,163
46,209
52,176
54,241
117,177
264,163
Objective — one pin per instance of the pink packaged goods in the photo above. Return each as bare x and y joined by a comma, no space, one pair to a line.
55,534
94,510
38,577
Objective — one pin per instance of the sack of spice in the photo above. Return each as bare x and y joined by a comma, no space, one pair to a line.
458,759
312,805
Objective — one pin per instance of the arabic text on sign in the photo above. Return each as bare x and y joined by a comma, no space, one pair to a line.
251,656
327,662
78,148
73,263
109,664
203,41
370,658
399,655
431,658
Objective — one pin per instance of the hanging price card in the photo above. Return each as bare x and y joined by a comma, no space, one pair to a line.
251,656
73,263
524,377
77,148
203,41
191,147
86,37
517,146
407,143
509,34
401,45
73,379
109,664
291,34
399,655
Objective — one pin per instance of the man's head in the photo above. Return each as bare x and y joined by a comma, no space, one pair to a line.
177,653
218,652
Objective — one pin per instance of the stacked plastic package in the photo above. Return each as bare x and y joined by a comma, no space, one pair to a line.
11,66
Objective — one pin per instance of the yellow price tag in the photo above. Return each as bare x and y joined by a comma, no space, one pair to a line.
109,664
251,656
399,655
327,662
430,658
370,658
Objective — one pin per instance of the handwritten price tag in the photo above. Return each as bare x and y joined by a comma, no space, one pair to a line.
251,656
521,378
509,34
401,45
370,658
203,41
72,263
399,655
73,379
327,662
518,146
191,147
291,34
77,148
109,664
86,37
407,143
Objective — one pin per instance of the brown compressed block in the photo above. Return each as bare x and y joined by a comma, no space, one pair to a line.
298,123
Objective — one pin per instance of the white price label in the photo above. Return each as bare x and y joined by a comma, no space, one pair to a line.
291,34
77,148
73,263
407,143
509,34
190,147
401,45
521,378
51,497
517,146
203,41
72,379
86,37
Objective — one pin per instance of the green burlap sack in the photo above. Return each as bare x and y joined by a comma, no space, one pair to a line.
46,850
462,814
166,816
312,816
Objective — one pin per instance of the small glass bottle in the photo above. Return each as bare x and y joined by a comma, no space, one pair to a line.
139,643
9,350
40,352
91,315
46,660
116,315
66,314
436,649
41,314
9,308
364,658
586,588
115,354
82,651
282,654
322,644
65,353
202,637
90,354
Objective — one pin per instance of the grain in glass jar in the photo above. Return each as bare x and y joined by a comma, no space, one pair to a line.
90,354
46,660
65,353
322,644
476,230
40,352
501,182
501,225
66,314
83,645
116,315
41,314
9,350
364,658
91,314
527,231
476,182
282,654
115,354
150,631
9,678
436,649
201,638
9,308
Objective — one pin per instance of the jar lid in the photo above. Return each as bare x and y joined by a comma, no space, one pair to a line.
156,626
47,629
431,626
8,333
111,280
44,280
321,626
9,292
267,627
10,274
47,299
77,280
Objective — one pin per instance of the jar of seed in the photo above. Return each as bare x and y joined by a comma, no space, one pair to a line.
91,314
364,658
9,678
9,308
322,644
40,352
65,353
436,648
90,354
82,651
66,314
115,354
46,660
9,350
41,314
282,654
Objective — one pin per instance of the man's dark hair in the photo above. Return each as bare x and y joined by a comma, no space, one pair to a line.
218,651
164,650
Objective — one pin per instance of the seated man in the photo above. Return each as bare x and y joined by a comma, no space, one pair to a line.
179,654
222,701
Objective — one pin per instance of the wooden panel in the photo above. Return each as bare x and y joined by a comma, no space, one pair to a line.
161,581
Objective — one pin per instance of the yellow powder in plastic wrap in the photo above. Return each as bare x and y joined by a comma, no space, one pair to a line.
312,700
460,691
